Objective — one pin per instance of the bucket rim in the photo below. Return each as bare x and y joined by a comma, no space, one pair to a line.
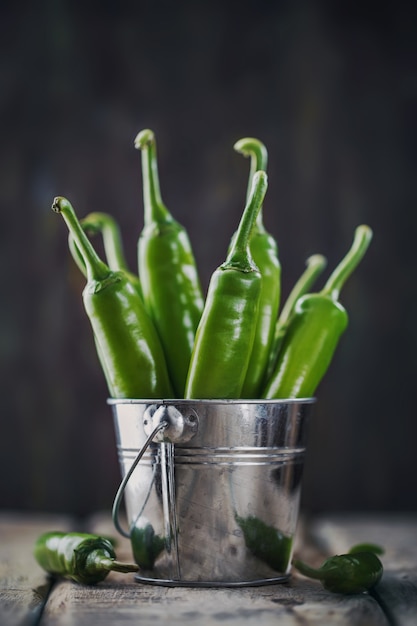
212,401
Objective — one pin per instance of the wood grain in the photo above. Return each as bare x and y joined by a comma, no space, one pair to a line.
27,598
397,534
24,587
121,599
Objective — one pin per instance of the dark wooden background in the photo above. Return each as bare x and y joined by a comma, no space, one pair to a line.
330,89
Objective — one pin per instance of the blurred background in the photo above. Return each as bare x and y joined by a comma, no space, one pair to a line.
330,89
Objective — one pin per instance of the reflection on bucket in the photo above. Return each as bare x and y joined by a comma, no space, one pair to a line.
211,488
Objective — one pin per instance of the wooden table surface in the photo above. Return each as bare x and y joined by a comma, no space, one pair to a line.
29,598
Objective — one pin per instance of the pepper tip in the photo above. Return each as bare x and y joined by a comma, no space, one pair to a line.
250,146
317,260
260,178
364,230
144,138
246,145
58,203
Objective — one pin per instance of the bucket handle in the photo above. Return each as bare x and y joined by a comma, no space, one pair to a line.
163,425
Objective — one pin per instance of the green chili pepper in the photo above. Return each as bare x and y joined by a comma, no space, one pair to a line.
315,265
79,261
346,573
317,323
265,542
226,332
96,223
167,271
127,343
82,557
264,250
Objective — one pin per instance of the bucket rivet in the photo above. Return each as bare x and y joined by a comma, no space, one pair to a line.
180,428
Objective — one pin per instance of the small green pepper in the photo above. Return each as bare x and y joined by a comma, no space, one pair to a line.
226,332
315,327
264,250
167,271
355,572
82,557
127,343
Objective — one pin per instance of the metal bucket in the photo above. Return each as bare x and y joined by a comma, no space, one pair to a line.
211,488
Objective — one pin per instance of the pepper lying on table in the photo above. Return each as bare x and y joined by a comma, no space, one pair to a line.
82,557
356,572
87,558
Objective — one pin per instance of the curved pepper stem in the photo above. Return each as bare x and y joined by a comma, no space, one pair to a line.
155,209
307,570
256,150
96,269
239,256
106,225
361,241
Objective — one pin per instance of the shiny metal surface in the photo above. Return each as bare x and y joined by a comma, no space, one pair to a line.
216,502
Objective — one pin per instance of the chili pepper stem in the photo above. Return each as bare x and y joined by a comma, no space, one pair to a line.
255,149
104,223
361,241
76,255
117,566
307,570
95,268
239,256
155,209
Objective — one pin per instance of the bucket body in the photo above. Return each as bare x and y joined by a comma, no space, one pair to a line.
214,499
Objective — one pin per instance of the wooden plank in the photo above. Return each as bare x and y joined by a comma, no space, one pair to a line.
120,599
24,587
397,534
289,605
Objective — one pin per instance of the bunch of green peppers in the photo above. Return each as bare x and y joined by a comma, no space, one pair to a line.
157,335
